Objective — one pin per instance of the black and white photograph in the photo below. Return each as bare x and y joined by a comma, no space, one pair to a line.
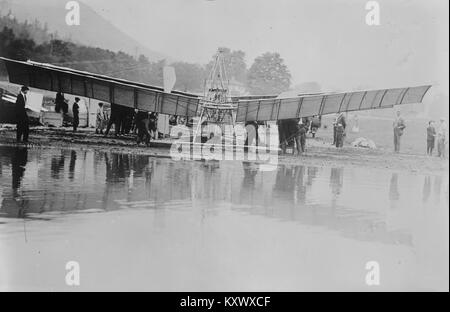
224,146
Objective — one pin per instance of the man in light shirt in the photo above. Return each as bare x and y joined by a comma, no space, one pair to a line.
442,138
100,119
399,127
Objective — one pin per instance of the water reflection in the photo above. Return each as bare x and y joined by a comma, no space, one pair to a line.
13,203
248,184
312,174
336,181
19,159
73,160
437,189
394,194
57,165
426,188
334,199
336,184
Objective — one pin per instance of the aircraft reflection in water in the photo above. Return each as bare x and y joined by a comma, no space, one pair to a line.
49,181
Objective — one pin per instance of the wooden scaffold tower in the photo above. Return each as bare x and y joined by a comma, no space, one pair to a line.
217,106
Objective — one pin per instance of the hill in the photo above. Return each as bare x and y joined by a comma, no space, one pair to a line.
94,30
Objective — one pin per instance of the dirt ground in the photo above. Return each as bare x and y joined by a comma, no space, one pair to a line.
320,152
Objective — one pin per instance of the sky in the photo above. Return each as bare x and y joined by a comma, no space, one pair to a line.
327,41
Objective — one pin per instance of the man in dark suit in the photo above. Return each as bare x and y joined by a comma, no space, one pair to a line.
21,116
340,126
76,114
114,118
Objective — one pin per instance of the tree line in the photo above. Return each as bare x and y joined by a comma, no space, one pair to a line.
32,41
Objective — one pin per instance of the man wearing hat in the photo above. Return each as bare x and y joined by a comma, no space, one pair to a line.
21,116
76,114
339,130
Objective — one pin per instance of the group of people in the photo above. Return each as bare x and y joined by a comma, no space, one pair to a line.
127,120
439,136
434,136
61,106
124,119
144,124
294,131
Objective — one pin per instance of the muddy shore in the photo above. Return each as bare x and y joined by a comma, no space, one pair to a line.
319,152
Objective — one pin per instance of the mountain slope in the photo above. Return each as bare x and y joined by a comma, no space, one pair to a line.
93,30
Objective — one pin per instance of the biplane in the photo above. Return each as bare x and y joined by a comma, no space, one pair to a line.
215,104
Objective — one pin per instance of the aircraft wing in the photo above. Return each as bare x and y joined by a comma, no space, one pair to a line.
326,103
102,88
236,99
154,99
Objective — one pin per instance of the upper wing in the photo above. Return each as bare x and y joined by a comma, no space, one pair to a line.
250,108
236,99
102,88
311,105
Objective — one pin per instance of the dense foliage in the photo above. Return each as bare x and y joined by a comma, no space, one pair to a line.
32,41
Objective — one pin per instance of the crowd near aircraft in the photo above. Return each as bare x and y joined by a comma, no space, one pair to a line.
215,105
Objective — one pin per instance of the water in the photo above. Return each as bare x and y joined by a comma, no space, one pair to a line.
142,223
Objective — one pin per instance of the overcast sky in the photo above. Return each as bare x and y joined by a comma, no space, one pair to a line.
327,41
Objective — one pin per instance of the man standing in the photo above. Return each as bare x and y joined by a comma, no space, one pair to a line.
340,126
76,114
100,119
21,116
59,102
152,125
442,138
431,137
114,118
301,142
334,129
399,127
315,125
